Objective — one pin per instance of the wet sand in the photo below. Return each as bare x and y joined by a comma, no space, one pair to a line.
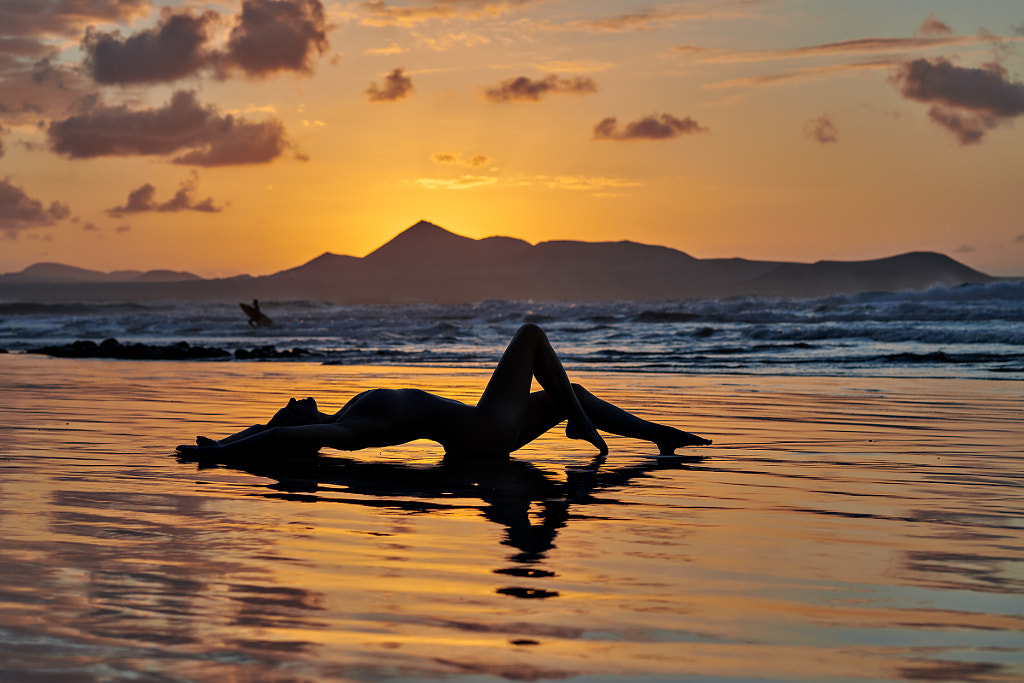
839,529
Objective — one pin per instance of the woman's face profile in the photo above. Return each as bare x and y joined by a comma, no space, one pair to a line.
300,412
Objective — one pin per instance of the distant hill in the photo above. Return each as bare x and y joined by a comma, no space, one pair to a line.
58,272
426,263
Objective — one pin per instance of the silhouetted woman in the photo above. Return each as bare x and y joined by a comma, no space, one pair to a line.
507,416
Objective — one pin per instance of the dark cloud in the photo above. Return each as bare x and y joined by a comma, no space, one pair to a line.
966,127
203,136
526,89
932,27
1,142
143,199
277,35
653,127
966,101
965,249
173,49
268,36
397,86
18,211
821,129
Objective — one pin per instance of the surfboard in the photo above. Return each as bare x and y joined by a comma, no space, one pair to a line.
256,317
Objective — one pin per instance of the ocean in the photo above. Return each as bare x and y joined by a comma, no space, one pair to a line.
972,331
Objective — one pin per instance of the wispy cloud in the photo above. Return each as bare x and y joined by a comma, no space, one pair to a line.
455,159
461,183
821,129
574,183
800,74
586,183
576,66
661,16
858,46
380,13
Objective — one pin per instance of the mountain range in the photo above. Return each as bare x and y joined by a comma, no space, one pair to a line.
426,263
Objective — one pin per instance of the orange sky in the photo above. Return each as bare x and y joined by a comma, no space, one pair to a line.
252,135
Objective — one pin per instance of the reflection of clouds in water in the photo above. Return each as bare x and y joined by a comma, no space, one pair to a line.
168,570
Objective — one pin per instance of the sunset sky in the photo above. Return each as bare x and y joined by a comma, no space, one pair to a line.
249,136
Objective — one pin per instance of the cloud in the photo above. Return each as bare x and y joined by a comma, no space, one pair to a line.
392,49
379,13
268,36
965,249
821,129
577,66
653,127
966,101
658,17
31,90
460,183
799,74
142,200
522,89
18,211
173,49
455,159
46,18
200,133
397,86
932,27
1,142
846,47
277,35
587,183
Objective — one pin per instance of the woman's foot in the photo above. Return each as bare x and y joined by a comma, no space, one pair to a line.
678,439
577,429
202,444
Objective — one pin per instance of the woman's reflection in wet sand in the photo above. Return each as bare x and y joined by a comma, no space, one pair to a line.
509,489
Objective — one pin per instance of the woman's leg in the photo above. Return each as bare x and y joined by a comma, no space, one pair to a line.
502,408
542,414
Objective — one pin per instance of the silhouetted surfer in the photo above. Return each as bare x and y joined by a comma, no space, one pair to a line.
507,416
256,317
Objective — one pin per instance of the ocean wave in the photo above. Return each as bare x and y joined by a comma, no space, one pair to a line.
968,330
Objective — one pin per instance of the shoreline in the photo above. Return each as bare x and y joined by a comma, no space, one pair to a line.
269,354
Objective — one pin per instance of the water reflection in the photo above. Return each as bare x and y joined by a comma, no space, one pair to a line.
530,504
136,569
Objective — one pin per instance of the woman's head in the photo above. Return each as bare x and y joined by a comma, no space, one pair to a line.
303,412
